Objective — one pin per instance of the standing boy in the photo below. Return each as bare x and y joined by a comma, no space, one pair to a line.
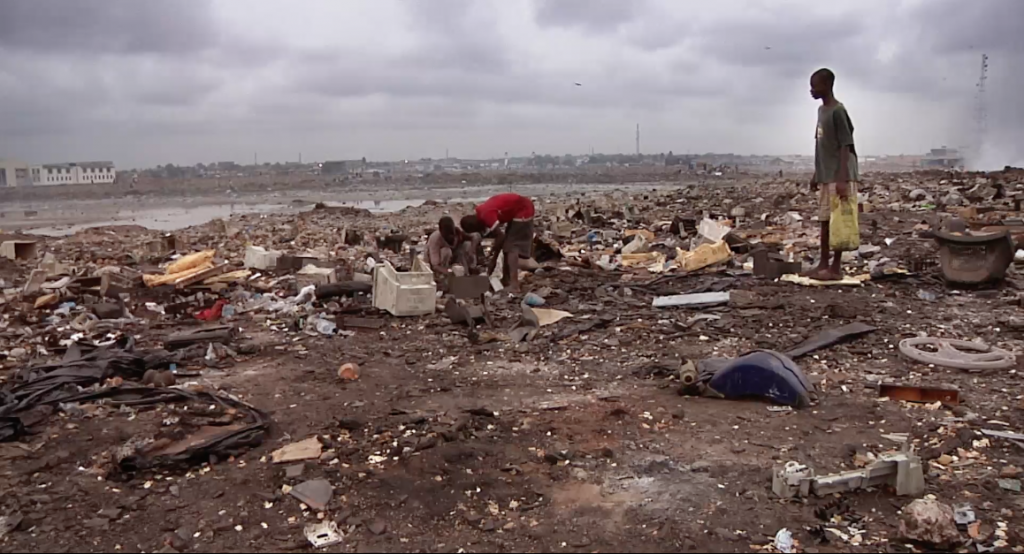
516,212
835,166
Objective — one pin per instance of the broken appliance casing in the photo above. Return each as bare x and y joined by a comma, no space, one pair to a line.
902,471
404,293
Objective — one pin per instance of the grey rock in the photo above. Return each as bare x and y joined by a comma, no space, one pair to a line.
96,523
726,534
377,526
930,522
953,199
328,457
316,494
700,467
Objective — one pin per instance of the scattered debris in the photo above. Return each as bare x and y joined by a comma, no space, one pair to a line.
404,293
958,354
18,249
902,472
323,534
963,514
309,449
830,337
1012,485
808,282
377,526
701,300
315,494
348,371
9,523
784,541
912,393
975,258
547,316
930,522
763,374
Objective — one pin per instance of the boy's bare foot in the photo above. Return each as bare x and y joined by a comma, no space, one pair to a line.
810,273
825,274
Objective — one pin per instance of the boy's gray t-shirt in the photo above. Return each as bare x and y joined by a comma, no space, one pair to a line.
834,131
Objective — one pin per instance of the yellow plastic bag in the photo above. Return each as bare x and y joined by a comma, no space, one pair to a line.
844,227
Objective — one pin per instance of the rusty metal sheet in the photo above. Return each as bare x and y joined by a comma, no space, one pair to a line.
912,393
362,322
469,286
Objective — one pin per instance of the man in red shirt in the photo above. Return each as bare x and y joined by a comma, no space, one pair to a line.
516,212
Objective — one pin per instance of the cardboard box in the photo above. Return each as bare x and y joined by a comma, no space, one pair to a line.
18,249
316,276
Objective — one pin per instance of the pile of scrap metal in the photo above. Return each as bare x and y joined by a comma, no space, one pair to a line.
223,426
237,428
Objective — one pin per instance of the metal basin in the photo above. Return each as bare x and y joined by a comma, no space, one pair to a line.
974,259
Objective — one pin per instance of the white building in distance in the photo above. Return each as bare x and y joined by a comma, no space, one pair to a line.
80,173
14,173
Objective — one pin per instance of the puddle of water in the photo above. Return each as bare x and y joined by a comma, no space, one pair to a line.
379,206
390,206
163,219
171,219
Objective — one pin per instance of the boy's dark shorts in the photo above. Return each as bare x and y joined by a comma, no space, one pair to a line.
519,238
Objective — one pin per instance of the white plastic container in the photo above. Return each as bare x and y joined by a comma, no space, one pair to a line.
404,294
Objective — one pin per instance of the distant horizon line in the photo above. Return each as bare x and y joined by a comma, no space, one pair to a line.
520,157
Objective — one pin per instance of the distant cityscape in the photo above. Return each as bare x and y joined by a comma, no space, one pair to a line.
15,173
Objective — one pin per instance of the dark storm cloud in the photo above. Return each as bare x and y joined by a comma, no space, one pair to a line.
589,15
88,65
78,71
609,85
956,27
107,26
456,33
792,44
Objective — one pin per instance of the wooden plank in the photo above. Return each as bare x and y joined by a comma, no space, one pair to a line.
202,276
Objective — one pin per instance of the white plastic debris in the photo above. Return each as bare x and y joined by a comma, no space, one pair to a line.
784,541
322,535
712,230
692,300
322,326
963,514
307,294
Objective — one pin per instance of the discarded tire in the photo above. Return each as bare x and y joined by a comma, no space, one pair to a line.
958,354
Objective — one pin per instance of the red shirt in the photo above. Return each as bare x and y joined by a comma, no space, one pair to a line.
503,208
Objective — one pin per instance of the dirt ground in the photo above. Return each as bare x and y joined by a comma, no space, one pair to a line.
564,443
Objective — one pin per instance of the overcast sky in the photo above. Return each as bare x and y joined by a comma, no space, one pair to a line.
185,81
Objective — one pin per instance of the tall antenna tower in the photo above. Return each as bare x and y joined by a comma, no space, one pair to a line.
981,114
637,139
